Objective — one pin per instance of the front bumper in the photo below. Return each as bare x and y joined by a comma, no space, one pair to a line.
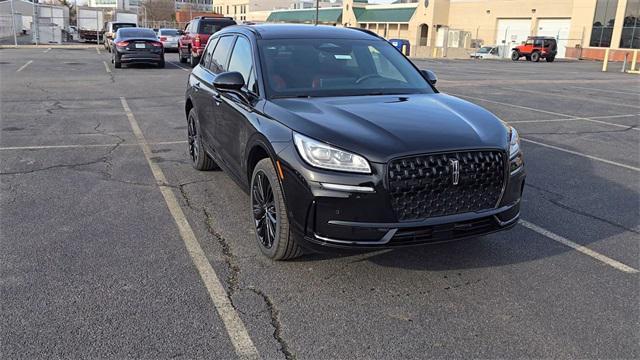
359,214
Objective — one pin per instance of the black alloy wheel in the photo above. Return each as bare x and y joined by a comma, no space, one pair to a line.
265,216
269,214
200,160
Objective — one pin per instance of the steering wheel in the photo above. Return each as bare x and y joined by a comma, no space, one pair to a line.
367,77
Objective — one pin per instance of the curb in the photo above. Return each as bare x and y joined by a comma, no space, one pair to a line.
53,46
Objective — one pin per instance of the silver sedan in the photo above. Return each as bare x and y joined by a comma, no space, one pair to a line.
169,38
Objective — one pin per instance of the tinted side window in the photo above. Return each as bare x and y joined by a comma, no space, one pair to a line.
242,61
206,59
221,54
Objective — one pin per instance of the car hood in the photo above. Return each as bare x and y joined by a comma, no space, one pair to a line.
384,127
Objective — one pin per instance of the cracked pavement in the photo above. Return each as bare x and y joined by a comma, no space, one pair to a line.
92,264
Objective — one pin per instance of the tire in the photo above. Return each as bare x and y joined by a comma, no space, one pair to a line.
161,63
535,57
116,61
183,60
528,57
515,56
269,214
193,60
550,58
200,160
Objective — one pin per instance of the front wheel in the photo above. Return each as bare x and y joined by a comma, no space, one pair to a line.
515,56
550,58
269,214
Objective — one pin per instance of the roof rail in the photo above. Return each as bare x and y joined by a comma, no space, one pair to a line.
213,17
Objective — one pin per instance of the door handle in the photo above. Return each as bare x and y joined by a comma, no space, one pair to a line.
196,86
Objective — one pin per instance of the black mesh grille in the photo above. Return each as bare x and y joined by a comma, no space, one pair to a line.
422,186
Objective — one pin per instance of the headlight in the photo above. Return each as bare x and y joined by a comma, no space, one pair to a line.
514,142
325,156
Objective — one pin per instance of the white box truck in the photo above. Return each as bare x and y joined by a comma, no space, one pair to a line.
90,24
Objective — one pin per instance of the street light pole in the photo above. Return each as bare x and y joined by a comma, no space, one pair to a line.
317,11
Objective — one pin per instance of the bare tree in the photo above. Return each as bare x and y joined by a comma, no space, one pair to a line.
159,10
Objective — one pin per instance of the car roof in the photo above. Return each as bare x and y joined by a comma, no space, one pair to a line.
295,31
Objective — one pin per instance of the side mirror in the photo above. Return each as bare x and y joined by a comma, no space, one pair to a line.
430,76
180,32
229,81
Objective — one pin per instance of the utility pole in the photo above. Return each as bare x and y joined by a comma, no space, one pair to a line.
13,25
317,11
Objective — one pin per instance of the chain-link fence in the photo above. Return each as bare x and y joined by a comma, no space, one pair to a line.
498,42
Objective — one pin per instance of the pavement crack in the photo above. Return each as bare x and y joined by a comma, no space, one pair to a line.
556,201
275,323
229,258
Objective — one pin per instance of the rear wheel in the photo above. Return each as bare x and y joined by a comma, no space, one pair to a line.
269,214
183,59
535,57
161,63
193,60
200,160
116,60
515,56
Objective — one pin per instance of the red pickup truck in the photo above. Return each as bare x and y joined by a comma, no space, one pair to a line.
194,38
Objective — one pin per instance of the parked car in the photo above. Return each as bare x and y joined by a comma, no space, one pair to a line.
196,34
110,30
536,48
169,38
486,52
137,45
341,142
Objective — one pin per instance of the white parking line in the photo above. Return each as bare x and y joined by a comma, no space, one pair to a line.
46,51
547,112
555,94
98,50
180,66
79,146
575,119
583,155
106,67
605,91
238,334
613,263
24,66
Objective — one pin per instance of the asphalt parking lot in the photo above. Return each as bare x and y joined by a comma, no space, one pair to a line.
94,265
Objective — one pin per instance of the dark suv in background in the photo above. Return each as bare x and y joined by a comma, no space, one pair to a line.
196,34
342,142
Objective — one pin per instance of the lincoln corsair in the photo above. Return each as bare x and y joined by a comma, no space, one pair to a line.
341,142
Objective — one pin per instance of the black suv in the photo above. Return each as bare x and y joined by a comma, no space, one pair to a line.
342,142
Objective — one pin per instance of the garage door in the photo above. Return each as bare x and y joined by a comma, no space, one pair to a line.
512,32
557,28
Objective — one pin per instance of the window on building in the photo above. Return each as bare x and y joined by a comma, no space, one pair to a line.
631,27
603,21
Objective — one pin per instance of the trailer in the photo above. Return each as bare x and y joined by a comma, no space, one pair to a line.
90,24
123,16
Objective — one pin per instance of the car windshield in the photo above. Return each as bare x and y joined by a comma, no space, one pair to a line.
330,67
120,26
169,32
484,49
137,32
211,27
